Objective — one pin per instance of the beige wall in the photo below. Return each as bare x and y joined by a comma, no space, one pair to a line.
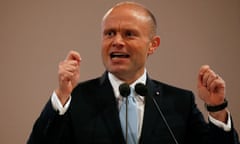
36,35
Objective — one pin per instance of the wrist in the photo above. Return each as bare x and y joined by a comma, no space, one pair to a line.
216,108
219,111
221,115
63,97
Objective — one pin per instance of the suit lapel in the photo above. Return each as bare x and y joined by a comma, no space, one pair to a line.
151,114
110,113
100,113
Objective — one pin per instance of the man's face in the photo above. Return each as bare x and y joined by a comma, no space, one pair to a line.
125,42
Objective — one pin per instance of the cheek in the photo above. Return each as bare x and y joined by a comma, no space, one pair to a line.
140,56
144,52
105,51
104,47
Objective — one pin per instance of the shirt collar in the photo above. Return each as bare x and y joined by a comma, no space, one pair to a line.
115,82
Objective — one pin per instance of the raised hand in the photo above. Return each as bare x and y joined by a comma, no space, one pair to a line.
211,89
68,75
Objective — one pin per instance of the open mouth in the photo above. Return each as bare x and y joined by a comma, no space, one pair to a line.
119,55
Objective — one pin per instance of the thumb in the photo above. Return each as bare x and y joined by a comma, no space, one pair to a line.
202,70
73,55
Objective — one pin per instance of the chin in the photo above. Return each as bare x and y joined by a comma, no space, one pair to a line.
117,71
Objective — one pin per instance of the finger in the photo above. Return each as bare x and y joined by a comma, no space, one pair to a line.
208,77
205,78
213,86
73,55
71,69
216,84
67,69
64,67
66,76
70,66
210,82
202,71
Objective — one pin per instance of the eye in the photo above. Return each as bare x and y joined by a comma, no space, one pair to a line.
109,33
129,34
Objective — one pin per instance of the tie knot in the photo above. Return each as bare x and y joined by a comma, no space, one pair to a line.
130,98
132,92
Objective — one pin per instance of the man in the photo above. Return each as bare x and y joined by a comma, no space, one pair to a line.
90,111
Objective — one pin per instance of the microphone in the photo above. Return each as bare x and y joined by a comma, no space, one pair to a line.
124,90
142,90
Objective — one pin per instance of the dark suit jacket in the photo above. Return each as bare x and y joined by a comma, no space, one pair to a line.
93,118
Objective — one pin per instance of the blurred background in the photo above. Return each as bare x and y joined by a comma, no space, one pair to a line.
36,35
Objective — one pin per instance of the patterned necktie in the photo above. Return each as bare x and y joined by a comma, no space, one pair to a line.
131,116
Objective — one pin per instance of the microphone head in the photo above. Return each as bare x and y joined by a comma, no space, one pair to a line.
141,89
124,89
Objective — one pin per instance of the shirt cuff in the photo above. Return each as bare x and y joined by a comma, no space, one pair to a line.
57,105
225,127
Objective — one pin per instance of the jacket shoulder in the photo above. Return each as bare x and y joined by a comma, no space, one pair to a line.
169,87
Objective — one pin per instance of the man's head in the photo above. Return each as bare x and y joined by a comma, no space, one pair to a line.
128,38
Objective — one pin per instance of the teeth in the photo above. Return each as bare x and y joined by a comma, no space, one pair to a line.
119,55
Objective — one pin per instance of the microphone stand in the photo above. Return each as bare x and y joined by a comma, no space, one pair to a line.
142,90
124,90
126,102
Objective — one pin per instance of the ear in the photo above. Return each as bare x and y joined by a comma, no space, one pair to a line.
154,44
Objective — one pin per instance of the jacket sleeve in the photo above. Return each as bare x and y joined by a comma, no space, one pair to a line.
209,133
51,128
218,135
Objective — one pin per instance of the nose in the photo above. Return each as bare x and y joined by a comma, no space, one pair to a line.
118,41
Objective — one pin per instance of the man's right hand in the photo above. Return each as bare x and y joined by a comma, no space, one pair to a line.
68,76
